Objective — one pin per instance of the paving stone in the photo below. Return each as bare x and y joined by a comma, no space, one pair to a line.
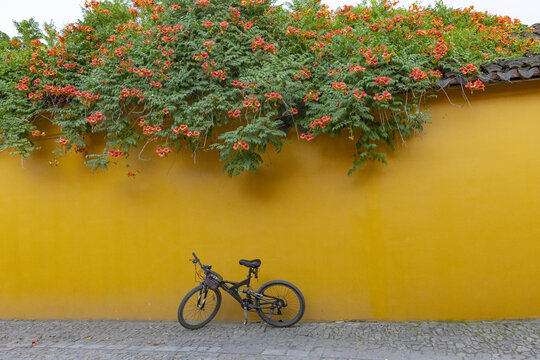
114,347
167,348
150,348
503,340
91,347
133,348
188,348
274,352
297,353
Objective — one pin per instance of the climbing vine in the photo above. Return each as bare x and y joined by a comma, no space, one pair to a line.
236,75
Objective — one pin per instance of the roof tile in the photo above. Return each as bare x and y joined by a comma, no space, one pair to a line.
523,68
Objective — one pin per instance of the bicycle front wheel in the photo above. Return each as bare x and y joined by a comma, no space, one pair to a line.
280,303
199,307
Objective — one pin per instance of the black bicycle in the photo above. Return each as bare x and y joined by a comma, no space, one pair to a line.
278,303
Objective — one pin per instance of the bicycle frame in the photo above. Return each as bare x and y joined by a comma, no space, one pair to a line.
272,298
233,289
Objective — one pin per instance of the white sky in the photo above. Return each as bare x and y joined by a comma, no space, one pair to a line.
66,11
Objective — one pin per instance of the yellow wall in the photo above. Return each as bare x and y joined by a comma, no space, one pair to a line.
448,230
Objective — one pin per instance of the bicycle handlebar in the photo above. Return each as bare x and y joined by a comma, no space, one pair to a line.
196,260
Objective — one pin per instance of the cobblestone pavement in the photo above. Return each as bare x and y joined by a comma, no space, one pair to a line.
337,340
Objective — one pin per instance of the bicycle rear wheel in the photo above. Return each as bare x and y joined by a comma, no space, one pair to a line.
281,305
199,307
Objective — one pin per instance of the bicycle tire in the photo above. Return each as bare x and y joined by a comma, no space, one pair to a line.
295,305
188,306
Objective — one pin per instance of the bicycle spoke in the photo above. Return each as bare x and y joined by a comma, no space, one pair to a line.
284,302
193,314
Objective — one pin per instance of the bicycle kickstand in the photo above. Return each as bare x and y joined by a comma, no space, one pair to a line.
270,317
245,315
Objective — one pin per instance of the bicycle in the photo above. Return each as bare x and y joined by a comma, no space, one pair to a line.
277,302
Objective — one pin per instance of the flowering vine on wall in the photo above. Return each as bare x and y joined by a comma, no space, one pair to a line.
232,75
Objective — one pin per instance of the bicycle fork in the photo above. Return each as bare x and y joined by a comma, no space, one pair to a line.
202,294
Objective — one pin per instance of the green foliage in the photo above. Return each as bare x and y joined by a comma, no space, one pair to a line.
28,30
4,41
51,34
233,75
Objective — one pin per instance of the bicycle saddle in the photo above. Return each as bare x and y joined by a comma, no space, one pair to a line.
250,263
